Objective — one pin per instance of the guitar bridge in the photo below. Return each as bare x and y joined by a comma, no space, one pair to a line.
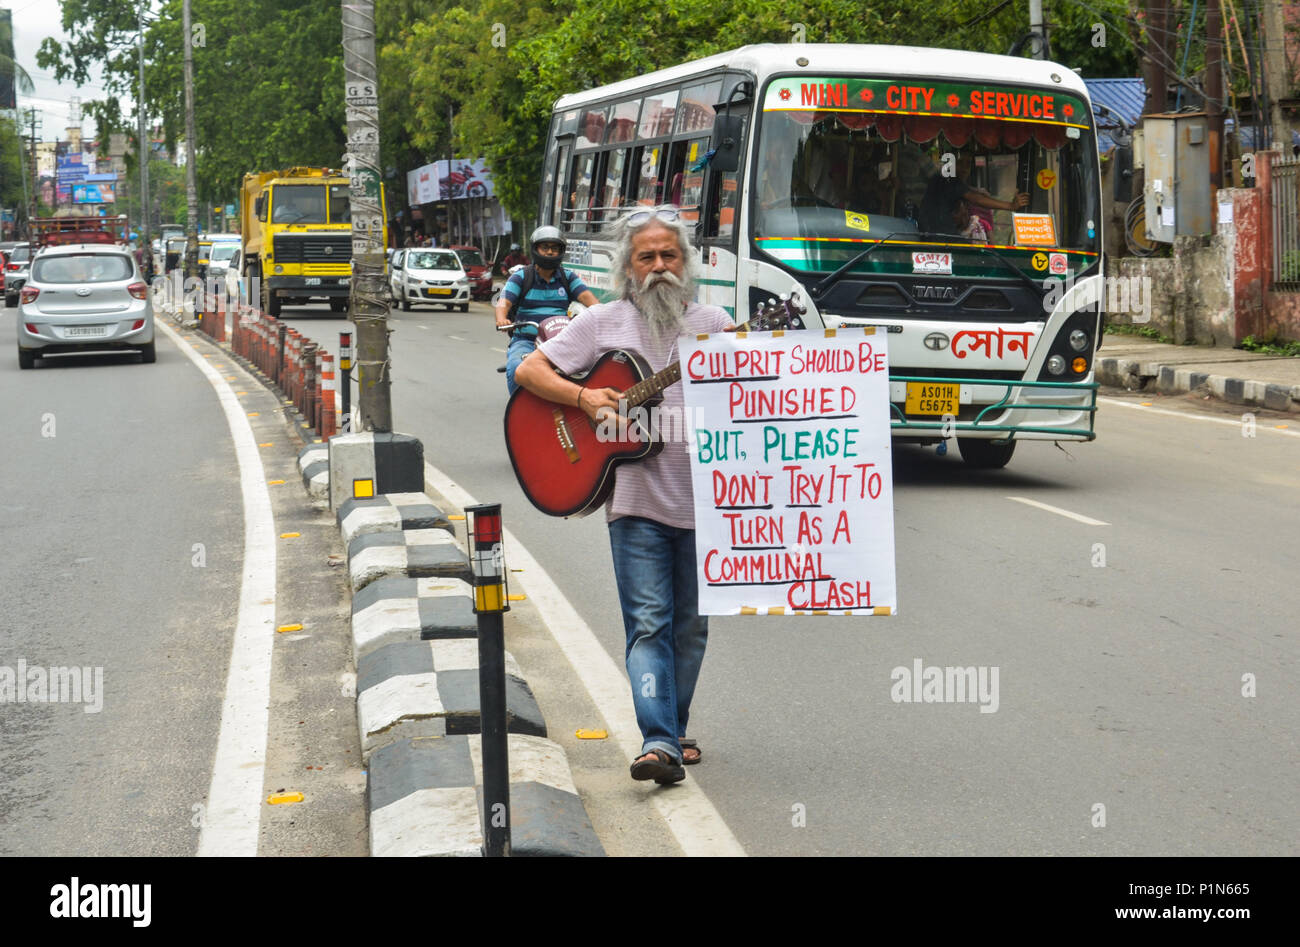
565,436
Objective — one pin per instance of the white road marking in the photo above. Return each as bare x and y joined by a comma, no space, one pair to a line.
232,820
1059,512
456,338
1235,422
495,349
693,819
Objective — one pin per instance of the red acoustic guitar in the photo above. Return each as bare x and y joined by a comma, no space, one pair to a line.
563,465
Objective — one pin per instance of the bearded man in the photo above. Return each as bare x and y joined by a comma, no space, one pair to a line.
651,513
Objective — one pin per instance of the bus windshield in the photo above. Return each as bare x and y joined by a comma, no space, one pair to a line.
987,174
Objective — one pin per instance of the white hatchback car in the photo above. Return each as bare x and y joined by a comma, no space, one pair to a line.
84,297
425,275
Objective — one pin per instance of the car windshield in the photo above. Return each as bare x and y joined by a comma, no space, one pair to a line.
299,204
843,161
223,251
432,261
470,258
82,268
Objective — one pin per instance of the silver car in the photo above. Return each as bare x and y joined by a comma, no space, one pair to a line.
84,297
16,273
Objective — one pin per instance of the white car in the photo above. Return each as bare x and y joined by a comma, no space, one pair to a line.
219,258
82,297
426,275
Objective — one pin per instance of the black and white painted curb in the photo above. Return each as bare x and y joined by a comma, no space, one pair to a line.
388,513
413,553
1135,375
415,689
314,464
415,644
401,609
384,463
426,798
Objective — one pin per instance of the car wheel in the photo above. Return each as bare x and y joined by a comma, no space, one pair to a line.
10,301
464,307
148,354
26,358
405,304
985,455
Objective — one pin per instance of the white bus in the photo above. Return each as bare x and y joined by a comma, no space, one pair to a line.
855,177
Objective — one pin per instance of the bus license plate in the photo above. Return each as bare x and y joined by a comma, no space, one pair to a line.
932,398
438,292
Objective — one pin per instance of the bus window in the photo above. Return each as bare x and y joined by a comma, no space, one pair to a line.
561,172
614,166
723,206
591,127
695,112
690,196
622,124
658,114
580,194
650,185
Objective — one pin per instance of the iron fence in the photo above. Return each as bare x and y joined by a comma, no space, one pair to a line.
1286,222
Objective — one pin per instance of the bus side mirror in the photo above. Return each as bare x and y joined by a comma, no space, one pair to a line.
728,132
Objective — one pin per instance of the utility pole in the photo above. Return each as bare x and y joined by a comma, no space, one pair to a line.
1038,29
369,298
191,188
144,151
36,181
1153,67
1276,74
1214,89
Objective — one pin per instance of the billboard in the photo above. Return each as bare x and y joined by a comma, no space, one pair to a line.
94,193
439,182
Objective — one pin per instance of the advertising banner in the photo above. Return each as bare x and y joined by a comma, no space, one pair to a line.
93,193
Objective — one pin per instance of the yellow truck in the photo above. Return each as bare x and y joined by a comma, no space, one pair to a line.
297,236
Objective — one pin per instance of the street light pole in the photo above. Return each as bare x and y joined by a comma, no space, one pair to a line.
143,152
191,188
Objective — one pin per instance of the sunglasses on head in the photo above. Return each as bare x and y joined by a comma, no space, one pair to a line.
638,217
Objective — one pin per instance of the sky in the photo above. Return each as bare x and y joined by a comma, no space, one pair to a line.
33,21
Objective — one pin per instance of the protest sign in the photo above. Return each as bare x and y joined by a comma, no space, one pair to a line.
790,467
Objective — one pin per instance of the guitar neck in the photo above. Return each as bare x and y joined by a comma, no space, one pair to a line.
656,383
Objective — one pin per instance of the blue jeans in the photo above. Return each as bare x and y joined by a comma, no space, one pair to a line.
654,566
519,349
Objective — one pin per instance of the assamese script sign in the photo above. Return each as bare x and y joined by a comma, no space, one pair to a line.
790,467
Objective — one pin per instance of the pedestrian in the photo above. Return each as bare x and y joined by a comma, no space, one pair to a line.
540,290
650,513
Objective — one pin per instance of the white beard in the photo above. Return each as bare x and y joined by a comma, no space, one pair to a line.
662,299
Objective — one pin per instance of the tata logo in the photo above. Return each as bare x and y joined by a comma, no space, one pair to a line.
936,341
941,293
329,251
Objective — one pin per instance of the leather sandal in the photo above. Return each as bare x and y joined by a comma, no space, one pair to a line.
659,766
690,745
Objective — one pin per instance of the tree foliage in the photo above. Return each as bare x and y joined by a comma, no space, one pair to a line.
480,78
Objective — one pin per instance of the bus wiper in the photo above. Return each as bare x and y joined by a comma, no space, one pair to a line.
820,289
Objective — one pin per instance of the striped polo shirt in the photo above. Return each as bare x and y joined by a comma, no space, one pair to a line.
545,299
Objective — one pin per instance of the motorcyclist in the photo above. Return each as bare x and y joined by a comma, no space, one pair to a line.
540,290
512,259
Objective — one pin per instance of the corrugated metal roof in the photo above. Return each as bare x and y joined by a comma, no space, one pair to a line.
1124,97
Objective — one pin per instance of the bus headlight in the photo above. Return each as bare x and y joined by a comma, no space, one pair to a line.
1056,365
1078,340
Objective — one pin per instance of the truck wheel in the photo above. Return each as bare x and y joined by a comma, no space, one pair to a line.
985,455
270,302
338,304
